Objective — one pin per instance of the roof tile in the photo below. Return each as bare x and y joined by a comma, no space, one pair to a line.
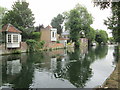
10,28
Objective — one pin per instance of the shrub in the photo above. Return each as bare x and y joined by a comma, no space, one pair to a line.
57,41
31,43
35,36
39,45
16,52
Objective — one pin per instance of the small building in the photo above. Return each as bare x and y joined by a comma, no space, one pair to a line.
11,36
48,34
63,41
66,34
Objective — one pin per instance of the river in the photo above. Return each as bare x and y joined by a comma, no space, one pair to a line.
63,68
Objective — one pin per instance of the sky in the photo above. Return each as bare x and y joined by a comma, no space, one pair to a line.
45,10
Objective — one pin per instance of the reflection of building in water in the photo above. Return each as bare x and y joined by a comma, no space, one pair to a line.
65,52
59,64
53,64
63,63
84,50
13,67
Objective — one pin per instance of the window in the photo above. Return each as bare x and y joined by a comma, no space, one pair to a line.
9,38
15,38
53,35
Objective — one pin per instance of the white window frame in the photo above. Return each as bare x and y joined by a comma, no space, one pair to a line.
53,34
15,38
9,38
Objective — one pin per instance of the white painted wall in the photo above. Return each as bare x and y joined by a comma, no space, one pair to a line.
55,34
13,44
64,42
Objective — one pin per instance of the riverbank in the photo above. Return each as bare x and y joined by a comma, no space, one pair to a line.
112,82
114,79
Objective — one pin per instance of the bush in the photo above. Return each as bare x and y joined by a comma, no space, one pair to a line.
35,36
16,52
40,45
31,43
57,41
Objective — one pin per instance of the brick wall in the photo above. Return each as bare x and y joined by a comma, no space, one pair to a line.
53,45
23,48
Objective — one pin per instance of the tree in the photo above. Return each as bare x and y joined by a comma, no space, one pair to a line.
91,36
101,36
112,22
21,17
78,20
36,36
57,23
75,26
38,28
111,40
2,12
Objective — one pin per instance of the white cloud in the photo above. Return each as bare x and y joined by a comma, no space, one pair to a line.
45,10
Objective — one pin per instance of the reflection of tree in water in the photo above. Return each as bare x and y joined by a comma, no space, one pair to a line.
76,67
116,53
77,70
101,51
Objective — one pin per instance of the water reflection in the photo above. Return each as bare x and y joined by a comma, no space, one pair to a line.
59,68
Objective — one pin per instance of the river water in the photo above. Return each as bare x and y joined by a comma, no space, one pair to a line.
63,68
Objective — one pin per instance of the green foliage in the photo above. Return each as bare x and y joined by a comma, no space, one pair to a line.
91,35
31,43
57,41
2,12
21,17
78,20
39,27
111,39
35,45
39,45
56,23
16,52
35,35
75,26
112,22
101,36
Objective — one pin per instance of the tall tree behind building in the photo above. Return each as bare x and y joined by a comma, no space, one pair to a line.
57,23
21,17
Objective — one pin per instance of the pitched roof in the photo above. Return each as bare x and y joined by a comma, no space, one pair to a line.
48,27
10,28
